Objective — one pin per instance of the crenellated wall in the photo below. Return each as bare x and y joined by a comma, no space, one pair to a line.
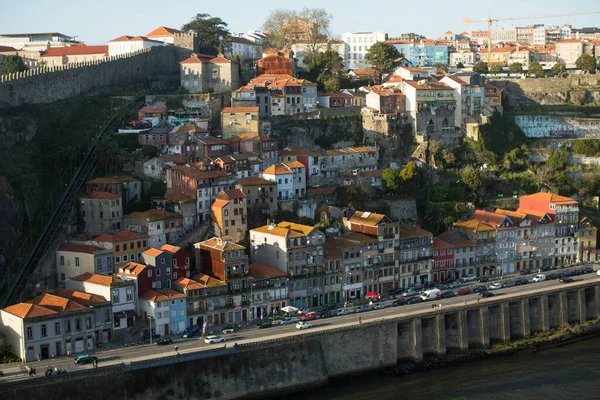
155,67
276,367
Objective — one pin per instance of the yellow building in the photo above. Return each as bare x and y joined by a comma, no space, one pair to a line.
238,120
229,215
126,246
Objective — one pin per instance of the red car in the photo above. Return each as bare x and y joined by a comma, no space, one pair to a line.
309,316
464,291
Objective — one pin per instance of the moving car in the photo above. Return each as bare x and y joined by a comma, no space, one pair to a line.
344,311
485,294
414,300
214,339
539,278
449,281
431,294
85,359
164,341
286,321
265,324
360,309
494,286
303,311
521,281
308,316
228,329
380,306
567,279
507,284
191,331
303,325
464,291
468,278
448,294
551,276
479,289
399,302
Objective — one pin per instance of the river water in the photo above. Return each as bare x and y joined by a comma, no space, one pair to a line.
570,372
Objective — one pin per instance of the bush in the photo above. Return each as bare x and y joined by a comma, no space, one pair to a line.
587,147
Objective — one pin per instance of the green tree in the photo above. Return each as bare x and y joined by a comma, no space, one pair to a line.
110,156
535,68
558,69
174,103
13,63
327,70
410,172
149,152
436,218
390,179
496,69
470,176
558,159
587,147
440,67
382,58
515,68
481,67
586,63
460,65
211,31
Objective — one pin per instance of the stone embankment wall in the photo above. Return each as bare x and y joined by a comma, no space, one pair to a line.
156,68
577,89
274,367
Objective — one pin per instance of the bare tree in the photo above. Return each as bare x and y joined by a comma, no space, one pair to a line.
543,174
281,26
286,27
316,22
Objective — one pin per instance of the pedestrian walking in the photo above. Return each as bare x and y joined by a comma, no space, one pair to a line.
478,298
465,300
52,356
433,306
440,306
177,349
39,357
68,353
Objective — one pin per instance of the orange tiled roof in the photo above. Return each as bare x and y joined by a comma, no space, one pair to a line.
170,248
163,31
28,310
278,169
75,51
261,271
224,243
120,236
255,181
79,248
153,252
163,295
153,215
439,244
104,280
132,268
551,198
101,196
239,110
367,218
56,303
189,284
85,299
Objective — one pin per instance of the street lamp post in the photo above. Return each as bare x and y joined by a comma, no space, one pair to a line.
150,329
251,301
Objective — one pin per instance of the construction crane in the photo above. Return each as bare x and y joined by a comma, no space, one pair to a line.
490,20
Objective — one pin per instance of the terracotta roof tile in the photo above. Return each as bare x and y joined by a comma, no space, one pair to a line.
153,215
104,280
239,110
255,181
100,196
153,252
261,271
189,284
75,51
27,310
222,244
162,31
120,236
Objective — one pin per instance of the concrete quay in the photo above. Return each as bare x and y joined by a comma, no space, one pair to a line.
282,359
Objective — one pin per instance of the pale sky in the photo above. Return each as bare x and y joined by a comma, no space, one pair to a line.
98,21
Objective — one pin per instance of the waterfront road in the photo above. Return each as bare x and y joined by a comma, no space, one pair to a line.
16,371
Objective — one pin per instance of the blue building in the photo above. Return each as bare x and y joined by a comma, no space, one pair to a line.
177,311
422,54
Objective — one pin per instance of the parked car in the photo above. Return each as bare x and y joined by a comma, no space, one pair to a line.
164,341
454,284
485,294
265,324
507,284
414,300
564,274
286,321
525,272
214,339
588,270
567,279
411,292
598,273
442,286
399,302
191,331
380,306
450,280
551,276
521,281
360,309
448,294
228,329
327,314
539,278
85,359
303,311
464,291
484,279
468,278
396,292
343,311
330,307
494,286
303,325
479,289
310,316
546,268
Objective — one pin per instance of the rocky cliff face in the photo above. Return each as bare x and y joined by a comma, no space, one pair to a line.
16,134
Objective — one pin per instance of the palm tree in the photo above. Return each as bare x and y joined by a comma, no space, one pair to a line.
437,218
110,156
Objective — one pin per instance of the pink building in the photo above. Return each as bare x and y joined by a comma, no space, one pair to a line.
443,260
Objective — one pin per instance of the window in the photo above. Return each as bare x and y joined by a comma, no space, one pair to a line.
29,333
158,272
117,259
68,326
168,271
129,294
124,246
57,328
226,213
187,260
62,277
149,273
115,296
88,323
44,333
77,261
62,260
106,315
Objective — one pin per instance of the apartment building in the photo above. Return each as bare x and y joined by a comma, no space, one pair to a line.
261,194
357,46
230,215
102,212
290,178
162,227
74,259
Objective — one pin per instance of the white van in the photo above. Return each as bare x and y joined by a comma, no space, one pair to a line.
539,278
431,294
